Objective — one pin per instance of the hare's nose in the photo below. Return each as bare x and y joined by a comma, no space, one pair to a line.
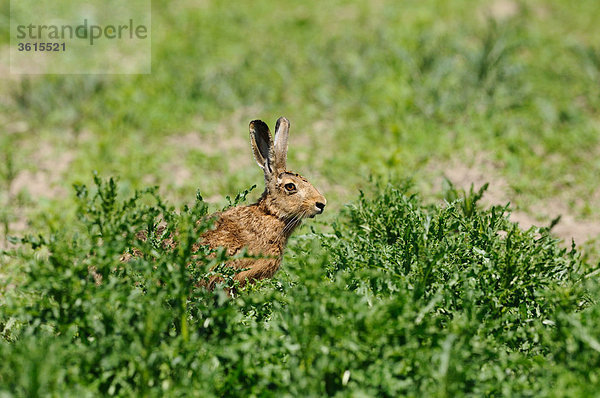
320,206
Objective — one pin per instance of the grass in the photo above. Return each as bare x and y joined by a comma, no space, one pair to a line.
389,90
400,299
428,89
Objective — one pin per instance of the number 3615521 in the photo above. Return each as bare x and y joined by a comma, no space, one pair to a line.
41,47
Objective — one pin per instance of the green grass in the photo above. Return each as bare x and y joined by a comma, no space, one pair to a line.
391,86
400,299
382,89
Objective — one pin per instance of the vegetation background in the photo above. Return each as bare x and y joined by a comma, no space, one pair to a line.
425,288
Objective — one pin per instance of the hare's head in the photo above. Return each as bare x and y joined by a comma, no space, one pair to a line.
287,194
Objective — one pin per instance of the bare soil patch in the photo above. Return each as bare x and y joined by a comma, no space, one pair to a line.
478,169
44,179
40,177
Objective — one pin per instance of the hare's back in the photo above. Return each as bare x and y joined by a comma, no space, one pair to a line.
247,227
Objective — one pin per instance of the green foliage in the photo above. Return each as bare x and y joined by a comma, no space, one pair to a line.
402,83
106,318
399,299
239,198
467,202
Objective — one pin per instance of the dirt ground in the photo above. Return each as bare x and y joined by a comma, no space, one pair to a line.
481,170
43,180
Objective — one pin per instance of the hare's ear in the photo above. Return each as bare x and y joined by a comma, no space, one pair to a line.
282,130
262,145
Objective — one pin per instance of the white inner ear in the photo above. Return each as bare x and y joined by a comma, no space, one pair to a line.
268,165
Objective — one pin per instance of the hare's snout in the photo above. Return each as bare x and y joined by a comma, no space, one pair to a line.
320,206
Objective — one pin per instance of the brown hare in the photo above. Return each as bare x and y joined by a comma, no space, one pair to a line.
264,227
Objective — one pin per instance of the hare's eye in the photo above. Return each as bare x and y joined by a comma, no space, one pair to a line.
290,187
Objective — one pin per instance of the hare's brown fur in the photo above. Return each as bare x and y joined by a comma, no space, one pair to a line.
264,227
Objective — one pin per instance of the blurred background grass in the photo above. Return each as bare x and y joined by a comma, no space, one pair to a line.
501,91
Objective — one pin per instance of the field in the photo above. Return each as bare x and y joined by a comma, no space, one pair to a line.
419,279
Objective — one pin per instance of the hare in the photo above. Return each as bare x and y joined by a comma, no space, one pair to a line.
264,227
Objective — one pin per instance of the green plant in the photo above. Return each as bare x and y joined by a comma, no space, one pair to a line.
400,298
